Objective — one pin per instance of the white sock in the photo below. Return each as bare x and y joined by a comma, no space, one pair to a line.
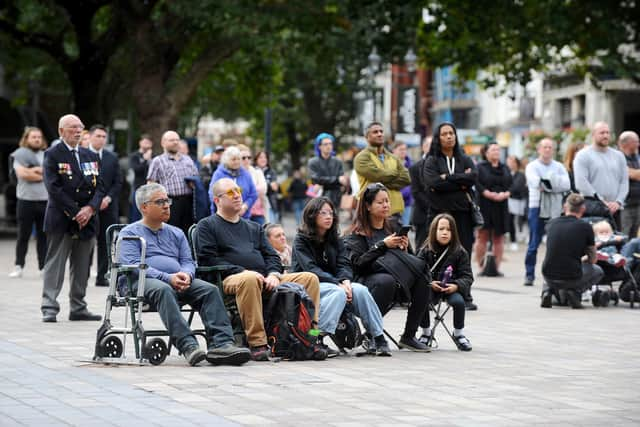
457,332
426,331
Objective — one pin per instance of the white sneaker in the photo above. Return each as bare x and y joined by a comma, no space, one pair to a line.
513,247
17,272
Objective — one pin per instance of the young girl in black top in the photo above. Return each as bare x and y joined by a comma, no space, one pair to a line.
441,250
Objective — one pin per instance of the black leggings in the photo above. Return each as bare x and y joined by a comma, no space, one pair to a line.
383,288
456,302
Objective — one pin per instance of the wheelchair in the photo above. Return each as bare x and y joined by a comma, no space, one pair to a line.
111,341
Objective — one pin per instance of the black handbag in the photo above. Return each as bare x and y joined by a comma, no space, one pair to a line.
594,207
477,220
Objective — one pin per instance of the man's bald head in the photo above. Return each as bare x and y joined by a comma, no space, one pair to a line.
170,141
600,134
628,142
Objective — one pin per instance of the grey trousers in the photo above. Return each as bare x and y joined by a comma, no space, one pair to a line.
61,247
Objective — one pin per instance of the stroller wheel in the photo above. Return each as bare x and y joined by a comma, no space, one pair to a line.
110,346
595,297
615,298
604,299
156,351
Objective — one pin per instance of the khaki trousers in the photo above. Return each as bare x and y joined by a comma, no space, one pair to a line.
248,292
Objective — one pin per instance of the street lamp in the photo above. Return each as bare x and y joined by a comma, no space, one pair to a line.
374,61
410,60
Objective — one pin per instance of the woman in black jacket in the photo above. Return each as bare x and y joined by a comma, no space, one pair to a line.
318,250
381,261
449,176
518,200
494,181
442,250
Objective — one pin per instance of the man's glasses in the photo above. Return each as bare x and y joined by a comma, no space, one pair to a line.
161,202
326,213
231,192
246,157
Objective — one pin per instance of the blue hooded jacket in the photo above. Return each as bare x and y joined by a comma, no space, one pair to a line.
243,179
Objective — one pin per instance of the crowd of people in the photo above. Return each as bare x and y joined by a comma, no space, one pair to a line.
457,208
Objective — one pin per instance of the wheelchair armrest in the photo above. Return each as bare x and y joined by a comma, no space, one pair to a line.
211,268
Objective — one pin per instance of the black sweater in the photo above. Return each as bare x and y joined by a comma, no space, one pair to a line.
238,246
449,194
459,260
327,261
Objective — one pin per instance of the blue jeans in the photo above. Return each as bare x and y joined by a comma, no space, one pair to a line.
456,301
333,300
298,206
536,231
406,215
201,295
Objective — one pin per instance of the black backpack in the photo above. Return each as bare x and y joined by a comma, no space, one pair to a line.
347,334
289,324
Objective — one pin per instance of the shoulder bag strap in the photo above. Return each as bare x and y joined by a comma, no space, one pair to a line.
440,258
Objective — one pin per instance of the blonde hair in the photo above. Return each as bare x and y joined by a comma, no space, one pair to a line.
25,137
602,226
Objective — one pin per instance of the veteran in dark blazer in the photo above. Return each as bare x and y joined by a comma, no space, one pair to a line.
108,209
72,179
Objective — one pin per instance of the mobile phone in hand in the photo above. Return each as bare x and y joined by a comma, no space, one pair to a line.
404,230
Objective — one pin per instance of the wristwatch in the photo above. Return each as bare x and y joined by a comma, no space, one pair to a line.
379,245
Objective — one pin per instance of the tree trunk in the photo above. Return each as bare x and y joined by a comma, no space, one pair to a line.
295,145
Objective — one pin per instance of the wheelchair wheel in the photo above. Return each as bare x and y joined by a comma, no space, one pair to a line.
111,346
156,351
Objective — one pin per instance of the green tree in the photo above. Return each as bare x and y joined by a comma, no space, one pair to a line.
507,39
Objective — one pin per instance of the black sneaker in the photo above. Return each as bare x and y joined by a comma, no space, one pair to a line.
428,340
382,348
545,300
260,353
470,306
194,354
462,343
331,353
228,354
411,343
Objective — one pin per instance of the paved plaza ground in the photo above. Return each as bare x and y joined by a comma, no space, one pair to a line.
528,366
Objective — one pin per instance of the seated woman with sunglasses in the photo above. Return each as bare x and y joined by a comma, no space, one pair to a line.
317,249
382,262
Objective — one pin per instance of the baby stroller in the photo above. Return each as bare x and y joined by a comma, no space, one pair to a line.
602,293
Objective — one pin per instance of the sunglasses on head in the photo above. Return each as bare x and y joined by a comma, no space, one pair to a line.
231,192
376,186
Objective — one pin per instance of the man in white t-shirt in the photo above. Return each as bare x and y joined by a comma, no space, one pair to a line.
544,175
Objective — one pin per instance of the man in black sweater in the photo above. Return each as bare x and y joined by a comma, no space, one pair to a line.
570,261
253,266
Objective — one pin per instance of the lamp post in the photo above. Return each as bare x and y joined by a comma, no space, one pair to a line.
410,61
369,103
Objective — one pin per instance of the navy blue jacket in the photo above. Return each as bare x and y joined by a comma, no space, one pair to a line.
111,180
70,188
